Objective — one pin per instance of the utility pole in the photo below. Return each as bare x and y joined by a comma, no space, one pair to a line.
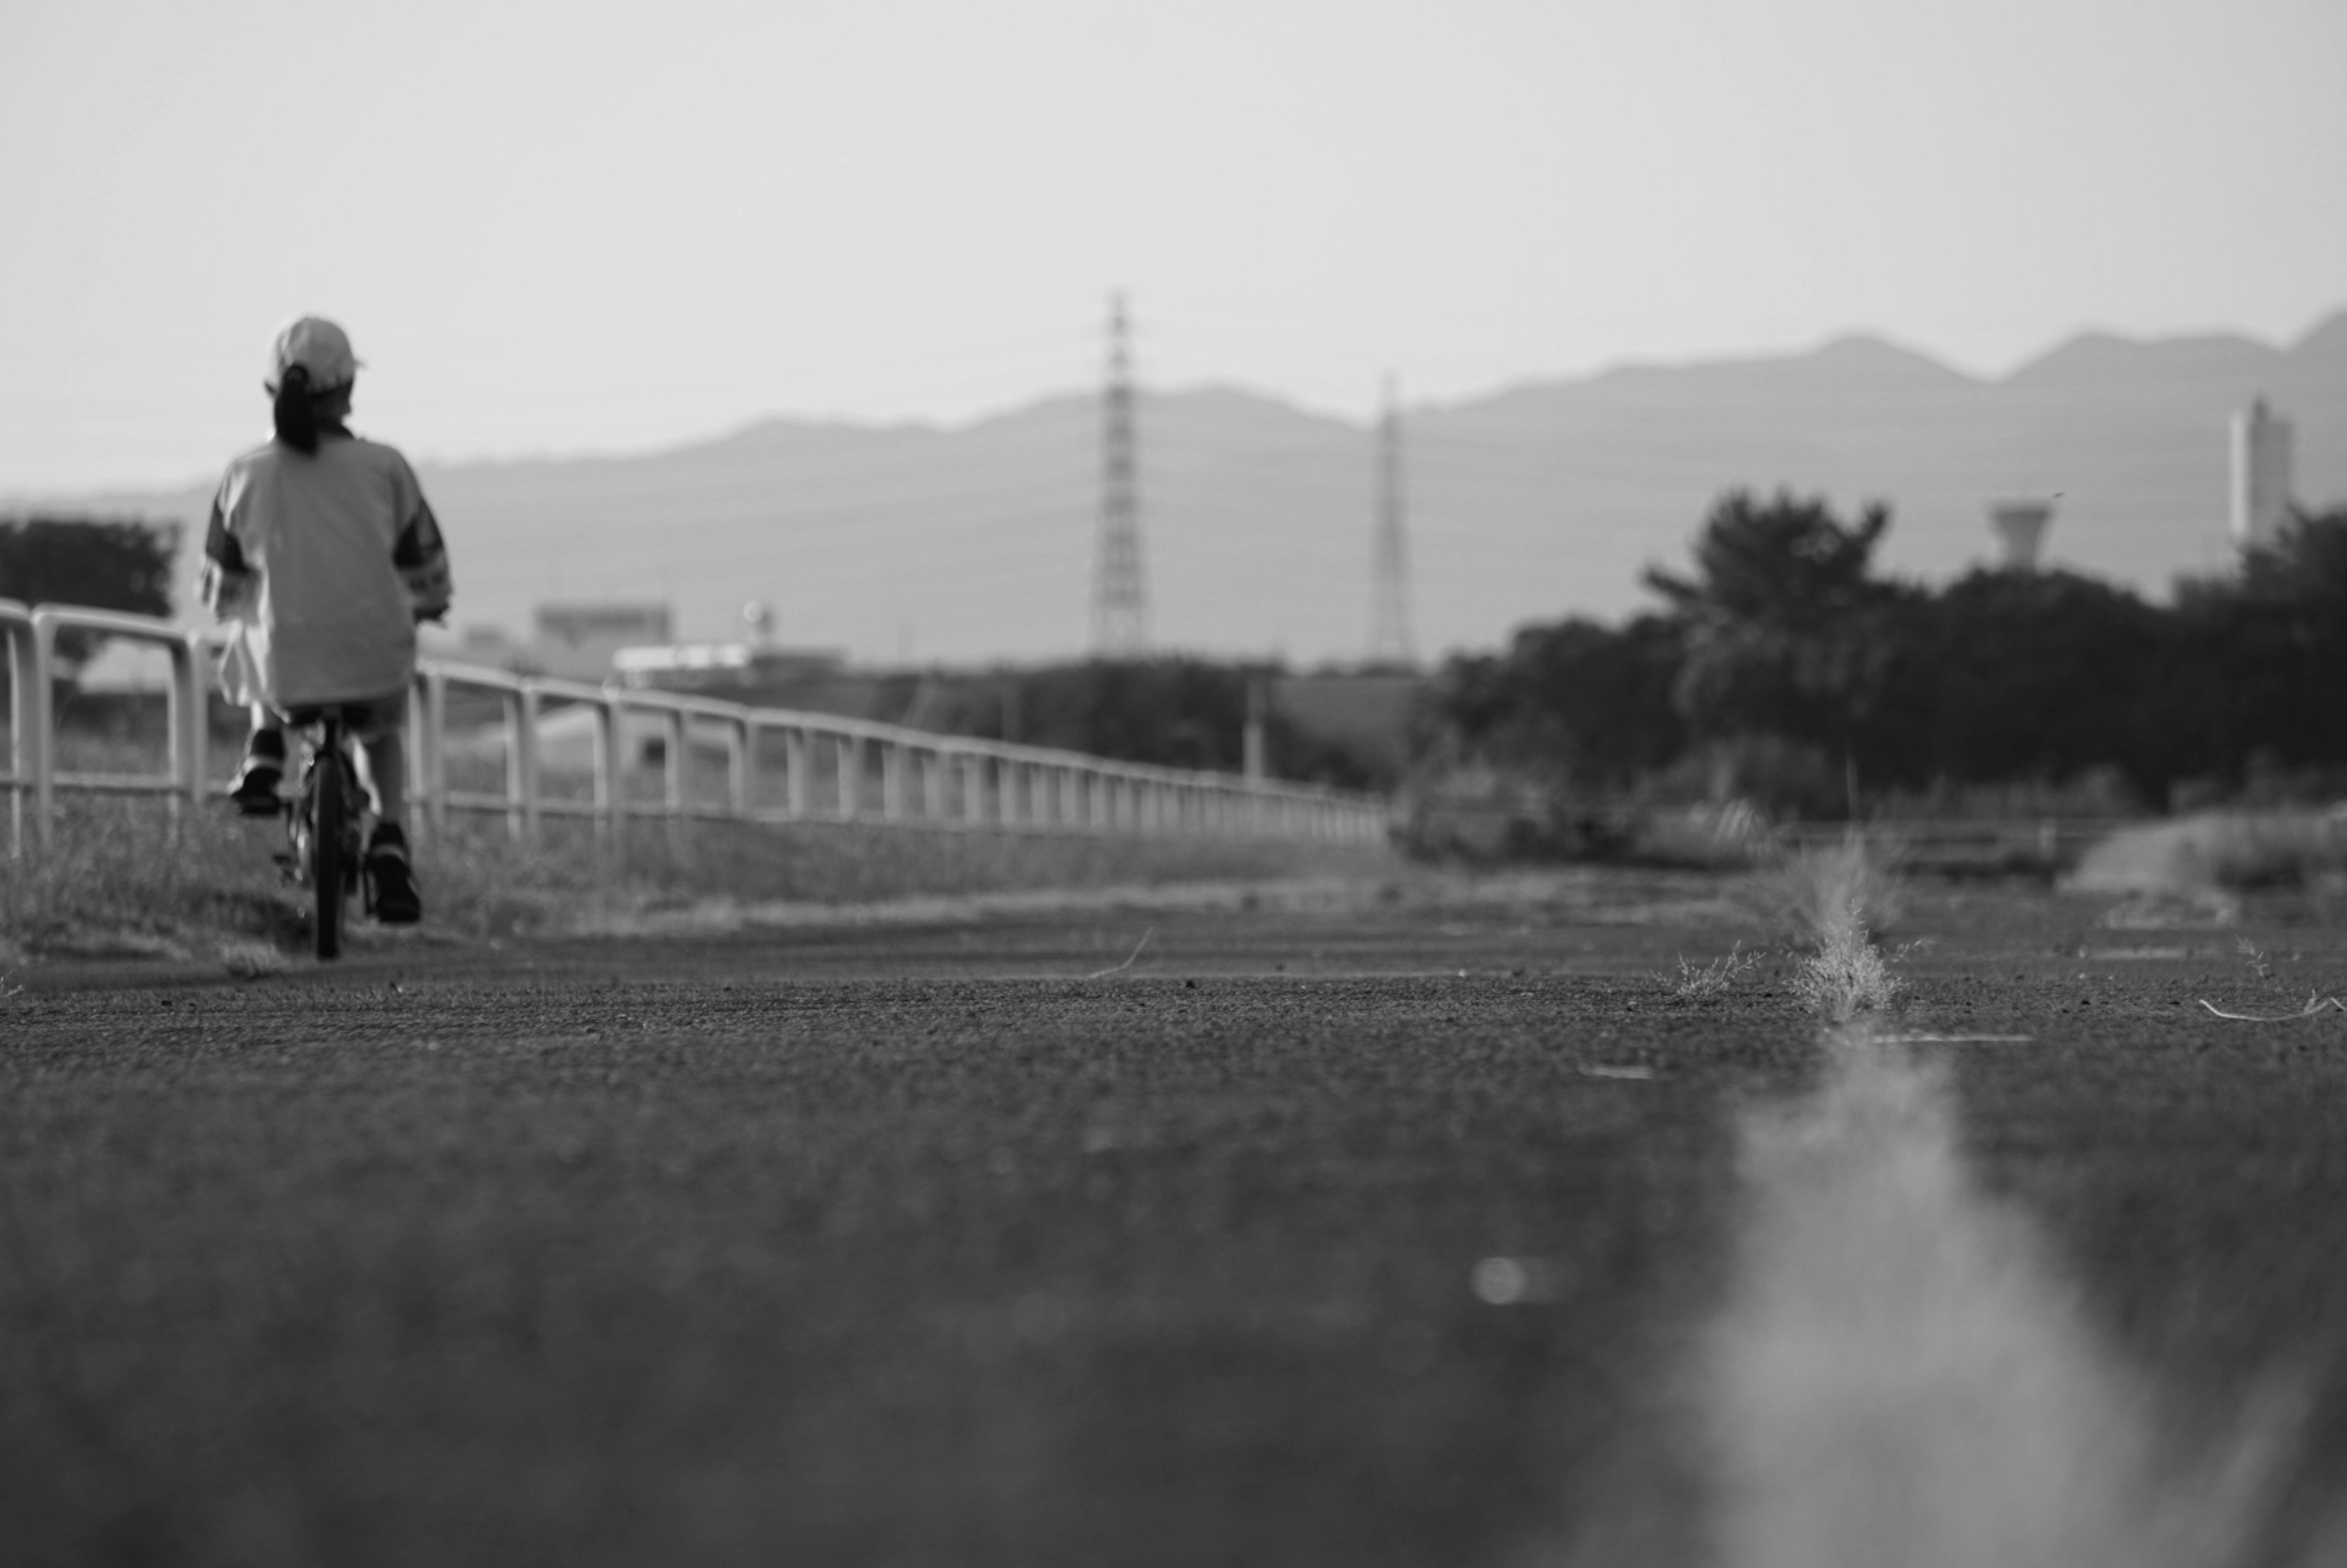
1120,597
1389,638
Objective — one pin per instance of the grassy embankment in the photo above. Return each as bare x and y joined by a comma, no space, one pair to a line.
122,878
2225,852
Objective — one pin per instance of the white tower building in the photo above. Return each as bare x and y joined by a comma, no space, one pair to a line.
2261,475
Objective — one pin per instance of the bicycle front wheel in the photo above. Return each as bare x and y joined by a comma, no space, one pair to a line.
331,870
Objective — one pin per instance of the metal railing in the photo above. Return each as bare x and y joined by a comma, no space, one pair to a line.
778,765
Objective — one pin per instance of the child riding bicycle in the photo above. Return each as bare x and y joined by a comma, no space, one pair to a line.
323,555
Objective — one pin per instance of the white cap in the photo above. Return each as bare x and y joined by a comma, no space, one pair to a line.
318,347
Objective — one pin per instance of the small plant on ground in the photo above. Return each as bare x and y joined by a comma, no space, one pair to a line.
1697,981
1829,895
1847,976
2255,956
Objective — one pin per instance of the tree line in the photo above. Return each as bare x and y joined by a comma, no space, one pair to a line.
1783,667
99,563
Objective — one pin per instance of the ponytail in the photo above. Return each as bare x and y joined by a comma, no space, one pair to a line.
296,414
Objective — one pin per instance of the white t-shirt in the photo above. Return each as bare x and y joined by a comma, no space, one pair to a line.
333,620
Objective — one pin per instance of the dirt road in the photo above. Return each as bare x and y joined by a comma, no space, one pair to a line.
1309,1231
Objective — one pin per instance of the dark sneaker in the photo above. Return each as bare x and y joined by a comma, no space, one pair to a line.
390,881
254,789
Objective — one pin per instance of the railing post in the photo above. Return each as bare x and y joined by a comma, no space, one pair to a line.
186,718
419,722
935,765
673,742
515,719
851,777
27,748
428,701
521,769
892,781
675,734
798,787
738,764
974,766
611,779
45,731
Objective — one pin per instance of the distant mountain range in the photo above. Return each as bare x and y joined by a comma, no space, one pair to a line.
921,543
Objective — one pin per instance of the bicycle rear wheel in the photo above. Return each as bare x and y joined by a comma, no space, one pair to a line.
329,865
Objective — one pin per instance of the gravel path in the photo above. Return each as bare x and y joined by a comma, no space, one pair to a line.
1356,1235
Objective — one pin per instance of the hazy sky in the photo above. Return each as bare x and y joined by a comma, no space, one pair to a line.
579,226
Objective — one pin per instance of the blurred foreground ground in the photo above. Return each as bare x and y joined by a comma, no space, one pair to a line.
1147,1229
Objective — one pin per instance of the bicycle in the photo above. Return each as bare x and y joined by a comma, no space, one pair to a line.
325,823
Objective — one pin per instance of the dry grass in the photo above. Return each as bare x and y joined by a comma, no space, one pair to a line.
121,879
1694,982
1847,976
1833,899
2220,851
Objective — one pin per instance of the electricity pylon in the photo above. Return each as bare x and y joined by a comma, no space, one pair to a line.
1389,638
1119,596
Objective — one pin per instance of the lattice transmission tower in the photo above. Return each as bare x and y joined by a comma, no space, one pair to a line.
1390,637
1120,594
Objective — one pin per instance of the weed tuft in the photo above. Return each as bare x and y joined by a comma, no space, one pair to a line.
1847,976
2255,956
1827,895
1713,978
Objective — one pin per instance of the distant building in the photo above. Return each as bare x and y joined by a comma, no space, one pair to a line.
731,668
487,645
2261,475
582,641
